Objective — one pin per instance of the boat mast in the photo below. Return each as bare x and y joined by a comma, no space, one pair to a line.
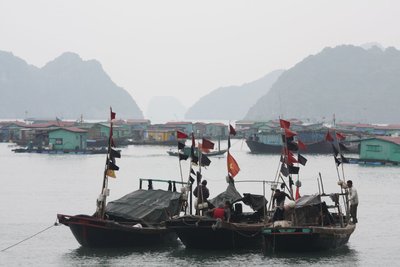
101,201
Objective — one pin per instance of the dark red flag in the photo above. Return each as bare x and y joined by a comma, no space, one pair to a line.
113,115
301,145
207,144
284,124
328,137
289,133
291,159
232,130
340,136
181,135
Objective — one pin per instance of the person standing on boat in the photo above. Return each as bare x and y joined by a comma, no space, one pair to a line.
353,199
202,193
279,199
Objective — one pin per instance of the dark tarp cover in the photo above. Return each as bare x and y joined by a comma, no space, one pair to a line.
230,194
151,206
256,202
309,209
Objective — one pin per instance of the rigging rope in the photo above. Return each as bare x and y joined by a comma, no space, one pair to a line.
47,228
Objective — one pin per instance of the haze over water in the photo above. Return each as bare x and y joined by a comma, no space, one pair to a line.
36,187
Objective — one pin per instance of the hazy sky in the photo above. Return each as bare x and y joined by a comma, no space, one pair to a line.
189,48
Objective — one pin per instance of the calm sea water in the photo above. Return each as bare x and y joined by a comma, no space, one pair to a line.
34,188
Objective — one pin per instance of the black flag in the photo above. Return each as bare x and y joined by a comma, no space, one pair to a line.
192,171
183,156
115,153
205,161
284,170
293,169
112,166
302,160
181,145
195,159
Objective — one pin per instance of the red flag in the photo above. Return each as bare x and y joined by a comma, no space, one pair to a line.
113,114
340,136
207,144
301,145
284,124
289,133
297,192
232,130
291,159
233,167
205,150
328,137
181,135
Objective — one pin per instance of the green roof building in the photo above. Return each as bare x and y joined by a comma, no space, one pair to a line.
383,148
70,138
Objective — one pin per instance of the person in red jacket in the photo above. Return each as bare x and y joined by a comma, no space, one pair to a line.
222,212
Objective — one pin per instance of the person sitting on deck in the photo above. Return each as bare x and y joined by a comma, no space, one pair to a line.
279,198
222,212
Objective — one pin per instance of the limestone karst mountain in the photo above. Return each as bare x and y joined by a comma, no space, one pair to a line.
66,87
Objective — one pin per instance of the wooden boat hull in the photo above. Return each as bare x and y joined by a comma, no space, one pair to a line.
300,239
208,234
209,154
93,232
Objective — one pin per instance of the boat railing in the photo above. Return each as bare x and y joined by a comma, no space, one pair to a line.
150,182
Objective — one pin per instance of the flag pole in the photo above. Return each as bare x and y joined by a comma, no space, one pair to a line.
101,201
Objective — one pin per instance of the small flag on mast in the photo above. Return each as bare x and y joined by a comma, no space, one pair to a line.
233,166
284,124
181,135
207,144
232,130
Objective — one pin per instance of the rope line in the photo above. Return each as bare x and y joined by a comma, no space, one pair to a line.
47,228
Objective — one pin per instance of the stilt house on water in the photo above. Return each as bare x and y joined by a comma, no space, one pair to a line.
383,149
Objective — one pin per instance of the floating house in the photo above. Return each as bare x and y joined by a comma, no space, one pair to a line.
69,138
385,149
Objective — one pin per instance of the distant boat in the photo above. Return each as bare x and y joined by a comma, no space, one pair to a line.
271,142
61,151
186,151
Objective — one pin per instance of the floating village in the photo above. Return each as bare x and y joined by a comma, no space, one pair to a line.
184,213
367,143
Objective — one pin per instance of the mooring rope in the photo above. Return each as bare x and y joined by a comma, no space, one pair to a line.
47,228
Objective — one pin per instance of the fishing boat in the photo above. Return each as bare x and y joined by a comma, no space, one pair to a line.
309,223
205,231
310,226
136,219
242,231
312,136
